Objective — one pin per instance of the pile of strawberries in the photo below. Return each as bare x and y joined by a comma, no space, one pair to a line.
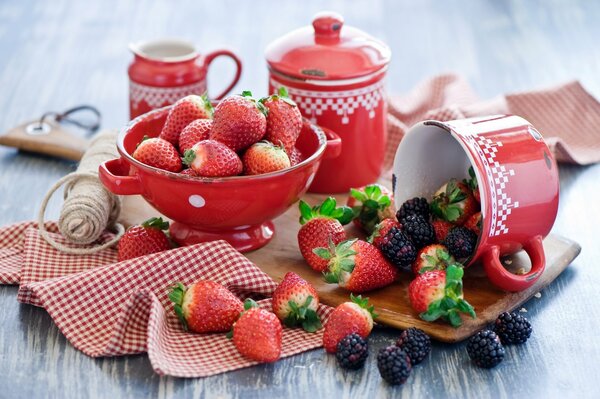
241,135
428,239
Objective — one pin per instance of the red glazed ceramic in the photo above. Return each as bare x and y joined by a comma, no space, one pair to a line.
236,209
518,184
335,73
163,71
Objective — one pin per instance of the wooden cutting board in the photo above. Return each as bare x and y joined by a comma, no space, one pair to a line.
391,303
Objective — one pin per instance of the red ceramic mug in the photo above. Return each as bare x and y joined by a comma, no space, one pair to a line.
518,184
163,71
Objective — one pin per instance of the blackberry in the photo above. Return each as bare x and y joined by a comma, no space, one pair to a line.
415,206
512,328
352,351
419,230
398,248
394,365
461,242
415,343
485,349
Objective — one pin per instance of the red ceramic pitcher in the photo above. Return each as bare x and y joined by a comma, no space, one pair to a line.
335,74
517,177
163,71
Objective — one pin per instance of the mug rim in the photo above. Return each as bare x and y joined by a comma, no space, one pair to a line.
140,49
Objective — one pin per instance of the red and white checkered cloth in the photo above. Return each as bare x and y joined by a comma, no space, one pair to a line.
567,115
106,308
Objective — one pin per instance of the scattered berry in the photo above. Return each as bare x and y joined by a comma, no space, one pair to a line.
371,204
264,157
158,153
257,334
196,131
352,351
394,365
419,230
474,223
295,302
182,113
210,158
347,318
144,239
441,228
512,328
461,242
205,306
485,349
454,202
284,121
398,248
432,257
415,343
357,266
320,224
415,206
381,230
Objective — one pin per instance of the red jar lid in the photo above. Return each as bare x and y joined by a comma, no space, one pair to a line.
327,50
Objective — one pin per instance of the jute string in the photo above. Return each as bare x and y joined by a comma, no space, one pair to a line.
89,208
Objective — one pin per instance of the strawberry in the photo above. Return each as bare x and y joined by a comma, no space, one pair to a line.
257,334
264,157
432,257
182,113
144,239
357,266
284,121
472,183
158,153
239,121
196,131
438,294
371,204
296,156
205,306
454,202
295,302
441,228
381,230
474,223
347,318
209,158
320,224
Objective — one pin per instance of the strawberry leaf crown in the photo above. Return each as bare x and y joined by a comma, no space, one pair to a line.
440,261
176,296
340,259
188,157
207,104
259,104
471,182
452,304
303,315
371,202
156,223
249,303
444,205
328,209
377,231
364,303
282,94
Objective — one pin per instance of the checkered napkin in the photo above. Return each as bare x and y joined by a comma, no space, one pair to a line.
567,115
109,309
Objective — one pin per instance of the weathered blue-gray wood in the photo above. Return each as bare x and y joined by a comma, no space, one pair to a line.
55,54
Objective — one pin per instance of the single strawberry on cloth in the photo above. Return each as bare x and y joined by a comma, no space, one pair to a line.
112,309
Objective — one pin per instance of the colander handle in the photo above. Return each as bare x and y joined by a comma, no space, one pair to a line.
114,174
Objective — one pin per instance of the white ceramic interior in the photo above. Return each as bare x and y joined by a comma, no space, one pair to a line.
427,157
165,50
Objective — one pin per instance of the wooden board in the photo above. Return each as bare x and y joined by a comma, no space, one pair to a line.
391,303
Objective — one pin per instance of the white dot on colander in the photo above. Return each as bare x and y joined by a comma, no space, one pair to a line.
196,201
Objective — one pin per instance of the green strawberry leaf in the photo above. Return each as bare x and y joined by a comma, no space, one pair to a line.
454,318
452,213
246,93
188,157
282,92
358,195
156,223
311,322
306,212
327,206
331,278
322,253
249,304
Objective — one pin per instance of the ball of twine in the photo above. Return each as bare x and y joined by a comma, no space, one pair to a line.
89,208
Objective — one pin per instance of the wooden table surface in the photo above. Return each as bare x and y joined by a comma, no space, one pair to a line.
57,54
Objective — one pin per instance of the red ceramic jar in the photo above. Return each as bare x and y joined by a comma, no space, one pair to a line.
163,71
335,74
517,178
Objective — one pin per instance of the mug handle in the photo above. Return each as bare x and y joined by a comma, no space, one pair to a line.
508,281
210,57
334,144
113,174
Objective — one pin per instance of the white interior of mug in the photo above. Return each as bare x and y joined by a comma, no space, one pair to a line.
165,50
427,157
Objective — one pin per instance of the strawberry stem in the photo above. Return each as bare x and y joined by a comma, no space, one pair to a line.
176,296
